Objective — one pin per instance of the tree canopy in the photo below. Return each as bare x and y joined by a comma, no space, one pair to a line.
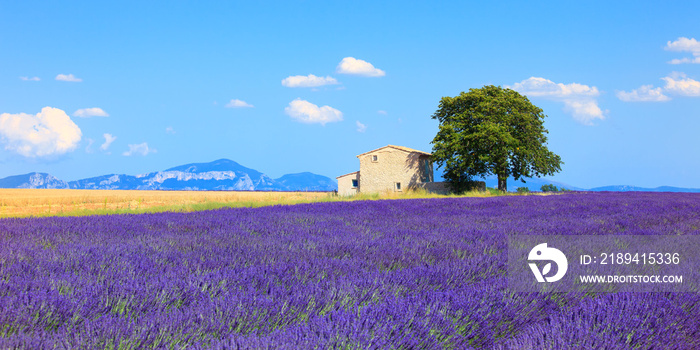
491,131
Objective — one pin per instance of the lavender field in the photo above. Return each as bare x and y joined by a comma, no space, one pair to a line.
392,274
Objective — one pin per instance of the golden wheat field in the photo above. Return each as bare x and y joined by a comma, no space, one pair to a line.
49,202
53,202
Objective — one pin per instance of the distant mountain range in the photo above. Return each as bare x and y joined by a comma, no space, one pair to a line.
219,175
535,184
625,188
227,175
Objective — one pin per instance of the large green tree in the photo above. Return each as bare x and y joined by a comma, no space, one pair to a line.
491,131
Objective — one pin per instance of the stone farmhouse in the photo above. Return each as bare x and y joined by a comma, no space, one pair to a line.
391,168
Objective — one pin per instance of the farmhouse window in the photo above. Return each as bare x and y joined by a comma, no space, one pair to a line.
354,183
374,158
398,186
425,176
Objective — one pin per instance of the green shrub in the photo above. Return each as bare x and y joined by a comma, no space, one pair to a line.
549,188
493,191
522,190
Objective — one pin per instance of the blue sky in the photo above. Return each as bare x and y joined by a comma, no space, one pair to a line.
292,86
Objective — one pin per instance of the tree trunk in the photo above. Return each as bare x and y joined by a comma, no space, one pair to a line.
502,184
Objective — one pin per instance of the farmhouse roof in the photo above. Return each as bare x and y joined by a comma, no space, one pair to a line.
401,148
352,173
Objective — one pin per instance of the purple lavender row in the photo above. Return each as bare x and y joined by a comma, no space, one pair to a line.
394,274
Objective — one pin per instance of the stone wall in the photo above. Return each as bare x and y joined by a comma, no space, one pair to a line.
393,166
345,187
444,187
435,187
479,186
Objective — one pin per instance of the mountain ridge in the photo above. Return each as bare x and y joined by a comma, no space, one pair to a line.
228,175
628,188
221,174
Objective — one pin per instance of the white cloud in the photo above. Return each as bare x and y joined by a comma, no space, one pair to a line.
676,84
683,44
49,132
584,111
30,79
351,65
534,86
236,103
382,112
139,149
645,93
684,60
90,112
170,130
680,84
360,127
307,112
88,148
109,138
579,100
308,81
69,77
